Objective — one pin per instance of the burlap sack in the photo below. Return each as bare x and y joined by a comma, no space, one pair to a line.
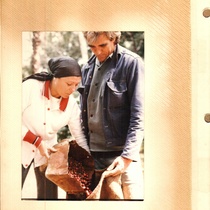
108,188
73,179
58,171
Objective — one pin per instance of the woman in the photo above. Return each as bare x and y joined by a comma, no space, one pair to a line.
47,106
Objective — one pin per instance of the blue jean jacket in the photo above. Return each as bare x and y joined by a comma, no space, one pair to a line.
123,109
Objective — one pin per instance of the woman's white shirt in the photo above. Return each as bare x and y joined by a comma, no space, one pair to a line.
43,117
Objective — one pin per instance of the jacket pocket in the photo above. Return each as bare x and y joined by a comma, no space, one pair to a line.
117,92
117,87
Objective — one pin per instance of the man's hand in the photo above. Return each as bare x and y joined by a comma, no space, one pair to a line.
44,150
118,166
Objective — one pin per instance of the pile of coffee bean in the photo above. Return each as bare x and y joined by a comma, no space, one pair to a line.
77,171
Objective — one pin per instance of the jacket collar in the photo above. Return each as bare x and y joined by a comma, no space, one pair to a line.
63,102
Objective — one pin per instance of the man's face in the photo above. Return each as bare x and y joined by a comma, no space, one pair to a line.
102,47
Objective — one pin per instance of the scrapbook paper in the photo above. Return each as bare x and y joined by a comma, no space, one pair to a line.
173,165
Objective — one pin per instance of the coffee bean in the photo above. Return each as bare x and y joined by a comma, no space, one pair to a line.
77,171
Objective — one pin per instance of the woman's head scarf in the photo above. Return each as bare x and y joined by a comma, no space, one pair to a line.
58,67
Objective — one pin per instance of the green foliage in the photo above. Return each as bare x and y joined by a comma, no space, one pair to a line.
63,133
133,41
60,44
26,71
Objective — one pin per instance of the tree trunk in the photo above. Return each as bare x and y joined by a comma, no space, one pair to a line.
36,43
83,48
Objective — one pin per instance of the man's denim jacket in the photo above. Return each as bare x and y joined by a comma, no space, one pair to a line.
123,110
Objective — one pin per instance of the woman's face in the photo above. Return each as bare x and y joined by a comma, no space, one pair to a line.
64,86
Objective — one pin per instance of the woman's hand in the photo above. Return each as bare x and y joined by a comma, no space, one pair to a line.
118,166
44,150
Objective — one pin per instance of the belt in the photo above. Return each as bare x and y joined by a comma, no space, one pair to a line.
105,154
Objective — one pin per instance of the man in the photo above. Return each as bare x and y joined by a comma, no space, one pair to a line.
112,109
